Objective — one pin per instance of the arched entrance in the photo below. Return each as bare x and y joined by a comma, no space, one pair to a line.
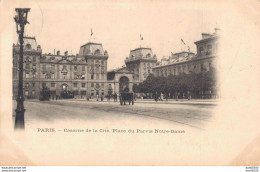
123,84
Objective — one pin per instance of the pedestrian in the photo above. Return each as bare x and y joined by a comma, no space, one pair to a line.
162,97
97,97
102,97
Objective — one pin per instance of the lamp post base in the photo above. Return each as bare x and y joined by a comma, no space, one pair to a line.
19,119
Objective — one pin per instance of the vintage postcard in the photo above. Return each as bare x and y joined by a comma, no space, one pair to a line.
123,82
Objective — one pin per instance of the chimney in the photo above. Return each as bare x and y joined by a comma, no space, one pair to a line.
54,51
58,52
205,35
217,30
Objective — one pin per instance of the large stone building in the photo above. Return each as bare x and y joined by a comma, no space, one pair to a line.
83,74
31,65
188,62
137,67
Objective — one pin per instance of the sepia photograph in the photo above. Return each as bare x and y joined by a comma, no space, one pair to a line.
129,83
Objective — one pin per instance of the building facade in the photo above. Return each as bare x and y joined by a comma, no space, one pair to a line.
31,68
137,67
84,74
188,62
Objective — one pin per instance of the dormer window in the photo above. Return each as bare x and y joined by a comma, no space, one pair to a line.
148,55
97,51
209,47
28,46
201,49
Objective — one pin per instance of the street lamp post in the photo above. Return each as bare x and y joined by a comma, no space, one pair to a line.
21,20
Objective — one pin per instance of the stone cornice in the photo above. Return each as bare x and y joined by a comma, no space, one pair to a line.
207,39
96,57
28,53
140,60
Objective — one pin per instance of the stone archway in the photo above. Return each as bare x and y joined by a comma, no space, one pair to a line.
123,83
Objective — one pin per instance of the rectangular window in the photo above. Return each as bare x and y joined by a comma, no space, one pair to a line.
201,67
33,93
83,85
83,68
75,84
52,84
27,66
83,93
33,84
27,75
102,85
83,77
26,93
75,76
34,59
44,67
76,93
92,76
52,67
43,85
15,63
92,84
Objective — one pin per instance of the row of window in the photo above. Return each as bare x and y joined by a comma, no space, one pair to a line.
27,84
65,76
208,50
64,67
181,69
76,67
83,85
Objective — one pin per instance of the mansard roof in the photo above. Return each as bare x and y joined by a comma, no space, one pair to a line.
91,48
140,53
30,43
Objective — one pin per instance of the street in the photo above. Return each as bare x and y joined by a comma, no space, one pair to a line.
80,132
192,115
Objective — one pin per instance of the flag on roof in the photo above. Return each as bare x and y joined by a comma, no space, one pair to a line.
141,37
183,41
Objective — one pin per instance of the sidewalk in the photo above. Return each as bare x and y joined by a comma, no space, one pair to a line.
181,101
152,101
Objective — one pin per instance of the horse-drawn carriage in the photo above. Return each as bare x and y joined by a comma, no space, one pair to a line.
126,96
66,95
45,94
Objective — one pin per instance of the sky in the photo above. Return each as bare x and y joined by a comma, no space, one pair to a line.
117,25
